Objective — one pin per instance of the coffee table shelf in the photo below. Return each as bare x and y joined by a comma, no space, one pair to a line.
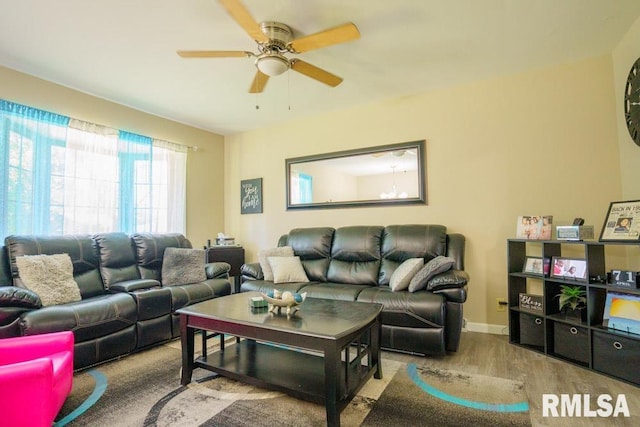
293,372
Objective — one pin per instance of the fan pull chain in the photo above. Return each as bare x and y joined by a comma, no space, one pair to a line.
289,89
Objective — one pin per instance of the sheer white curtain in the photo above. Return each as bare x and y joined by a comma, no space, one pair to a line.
169,182
91,179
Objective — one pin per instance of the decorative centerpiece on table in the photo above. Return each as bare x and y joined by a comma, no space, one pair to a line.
277,300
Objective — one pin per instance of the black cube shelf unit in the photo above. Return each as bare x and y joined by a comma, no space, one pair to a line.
586,343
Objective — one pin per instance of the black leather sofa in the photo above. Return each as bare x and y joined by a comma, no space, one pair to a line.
356,263
124,307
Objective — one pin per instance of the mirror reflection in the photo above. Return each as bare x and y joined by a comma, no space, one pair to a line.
377,175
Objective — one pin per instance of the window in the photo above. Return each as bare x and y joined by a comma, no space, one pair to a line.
64,176
301,188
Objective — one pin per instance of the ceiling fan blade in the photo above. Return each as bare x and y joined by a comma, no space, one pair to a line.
241,15
214,54
340,34
315,73
259,82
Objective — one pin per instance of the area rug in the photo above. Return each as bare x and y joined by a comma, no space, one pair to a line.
144,390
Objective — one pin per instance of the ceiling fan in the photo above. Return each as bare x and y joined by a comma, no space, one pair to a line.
275,40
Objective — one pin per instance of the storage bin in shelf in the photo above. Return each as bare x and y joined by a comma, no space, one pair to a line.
532,330
617,355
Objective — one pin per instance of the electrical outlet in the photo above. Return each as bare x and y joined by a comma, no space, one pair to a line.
501,304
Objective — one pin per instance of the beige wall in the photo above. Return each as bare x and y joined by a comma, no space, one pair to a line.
205,175
541,142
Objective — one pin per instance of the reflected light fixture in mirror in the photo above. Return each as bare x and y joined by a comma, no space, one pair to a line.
383,175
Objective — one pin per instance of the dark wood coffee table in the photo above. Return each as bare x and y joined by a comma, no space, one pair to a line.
343,338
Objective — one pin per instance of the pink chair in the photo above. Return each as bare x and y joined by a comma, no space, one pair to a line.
36,375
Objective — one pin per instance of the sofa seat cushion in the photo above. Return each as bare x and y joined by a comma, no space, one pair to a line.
88,319
265,286
335,291
184,295
418,309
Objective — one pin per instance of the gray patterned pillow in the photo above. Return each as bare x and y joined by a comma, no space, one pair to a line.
437,265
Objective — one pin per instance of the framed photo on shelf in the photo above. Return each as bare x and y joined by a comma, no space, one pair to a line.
622,223
622,312
569,268
534,227
536,265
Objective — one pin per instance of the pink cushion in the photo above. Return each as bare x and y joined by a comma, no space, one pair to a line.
36,376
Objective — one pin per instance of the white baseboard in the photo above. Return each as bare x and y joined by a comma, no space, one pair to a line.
487,328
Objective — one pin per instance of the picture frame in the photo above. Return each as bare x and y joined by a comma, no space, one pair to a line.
537,266
534,227
569,269
251,196
622,222
621,312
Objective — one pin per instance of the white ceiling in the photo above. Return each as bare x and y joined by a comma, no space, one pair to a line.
125,50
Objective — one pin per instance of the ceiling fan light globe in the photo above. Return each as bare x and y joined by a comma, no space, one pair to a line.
272,65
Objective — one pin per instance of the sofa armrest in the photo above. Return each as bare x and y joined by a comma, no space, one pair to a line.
134,285
217,270
251,271
12,296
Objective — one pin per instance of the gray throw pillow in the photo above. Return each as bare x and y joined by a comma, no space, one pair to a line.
264,254
402,276
182,266
49,276
437,265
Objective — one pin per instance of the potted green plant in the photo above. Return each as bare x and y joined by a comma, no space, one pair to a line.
572,301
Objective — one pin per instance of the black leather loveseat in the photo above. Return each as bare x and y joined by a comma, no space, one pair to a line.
123,306
356,263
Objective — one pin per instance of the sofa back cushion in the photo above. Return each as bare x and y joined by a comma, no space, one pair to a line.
313,246
355,255
401,242
149,248
117,258
81,249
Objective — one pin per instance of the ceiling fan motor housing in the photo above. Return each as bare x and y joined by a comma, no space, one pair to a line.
279,35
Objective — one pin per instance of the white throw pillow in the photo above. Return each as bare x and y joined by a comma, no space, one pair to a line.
287,269
283,251
183,266
404,273
49,276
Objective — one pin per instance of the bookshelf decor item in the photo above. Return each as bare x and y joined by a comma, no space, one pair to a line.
569,268
622,223
537,266
622,312
624,279
532,303
534,227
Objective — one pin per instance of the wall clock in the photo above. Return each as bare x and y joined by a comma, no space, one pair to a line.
632,102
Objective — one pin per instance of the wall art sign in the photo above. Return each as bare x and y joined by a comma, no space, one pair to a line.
251,196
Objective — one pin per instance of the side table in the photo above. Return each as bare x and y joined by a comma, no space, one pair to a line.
234,255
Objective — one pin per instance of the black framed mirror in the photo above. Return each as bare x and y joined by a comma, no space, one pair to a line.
374,176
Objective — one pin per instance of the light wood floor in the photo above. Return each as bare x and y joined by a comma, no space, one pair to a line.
492,355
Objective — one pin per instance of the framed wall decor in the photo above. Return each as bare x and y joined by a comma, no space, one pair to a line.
569,268
622,223
536,265
251,196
